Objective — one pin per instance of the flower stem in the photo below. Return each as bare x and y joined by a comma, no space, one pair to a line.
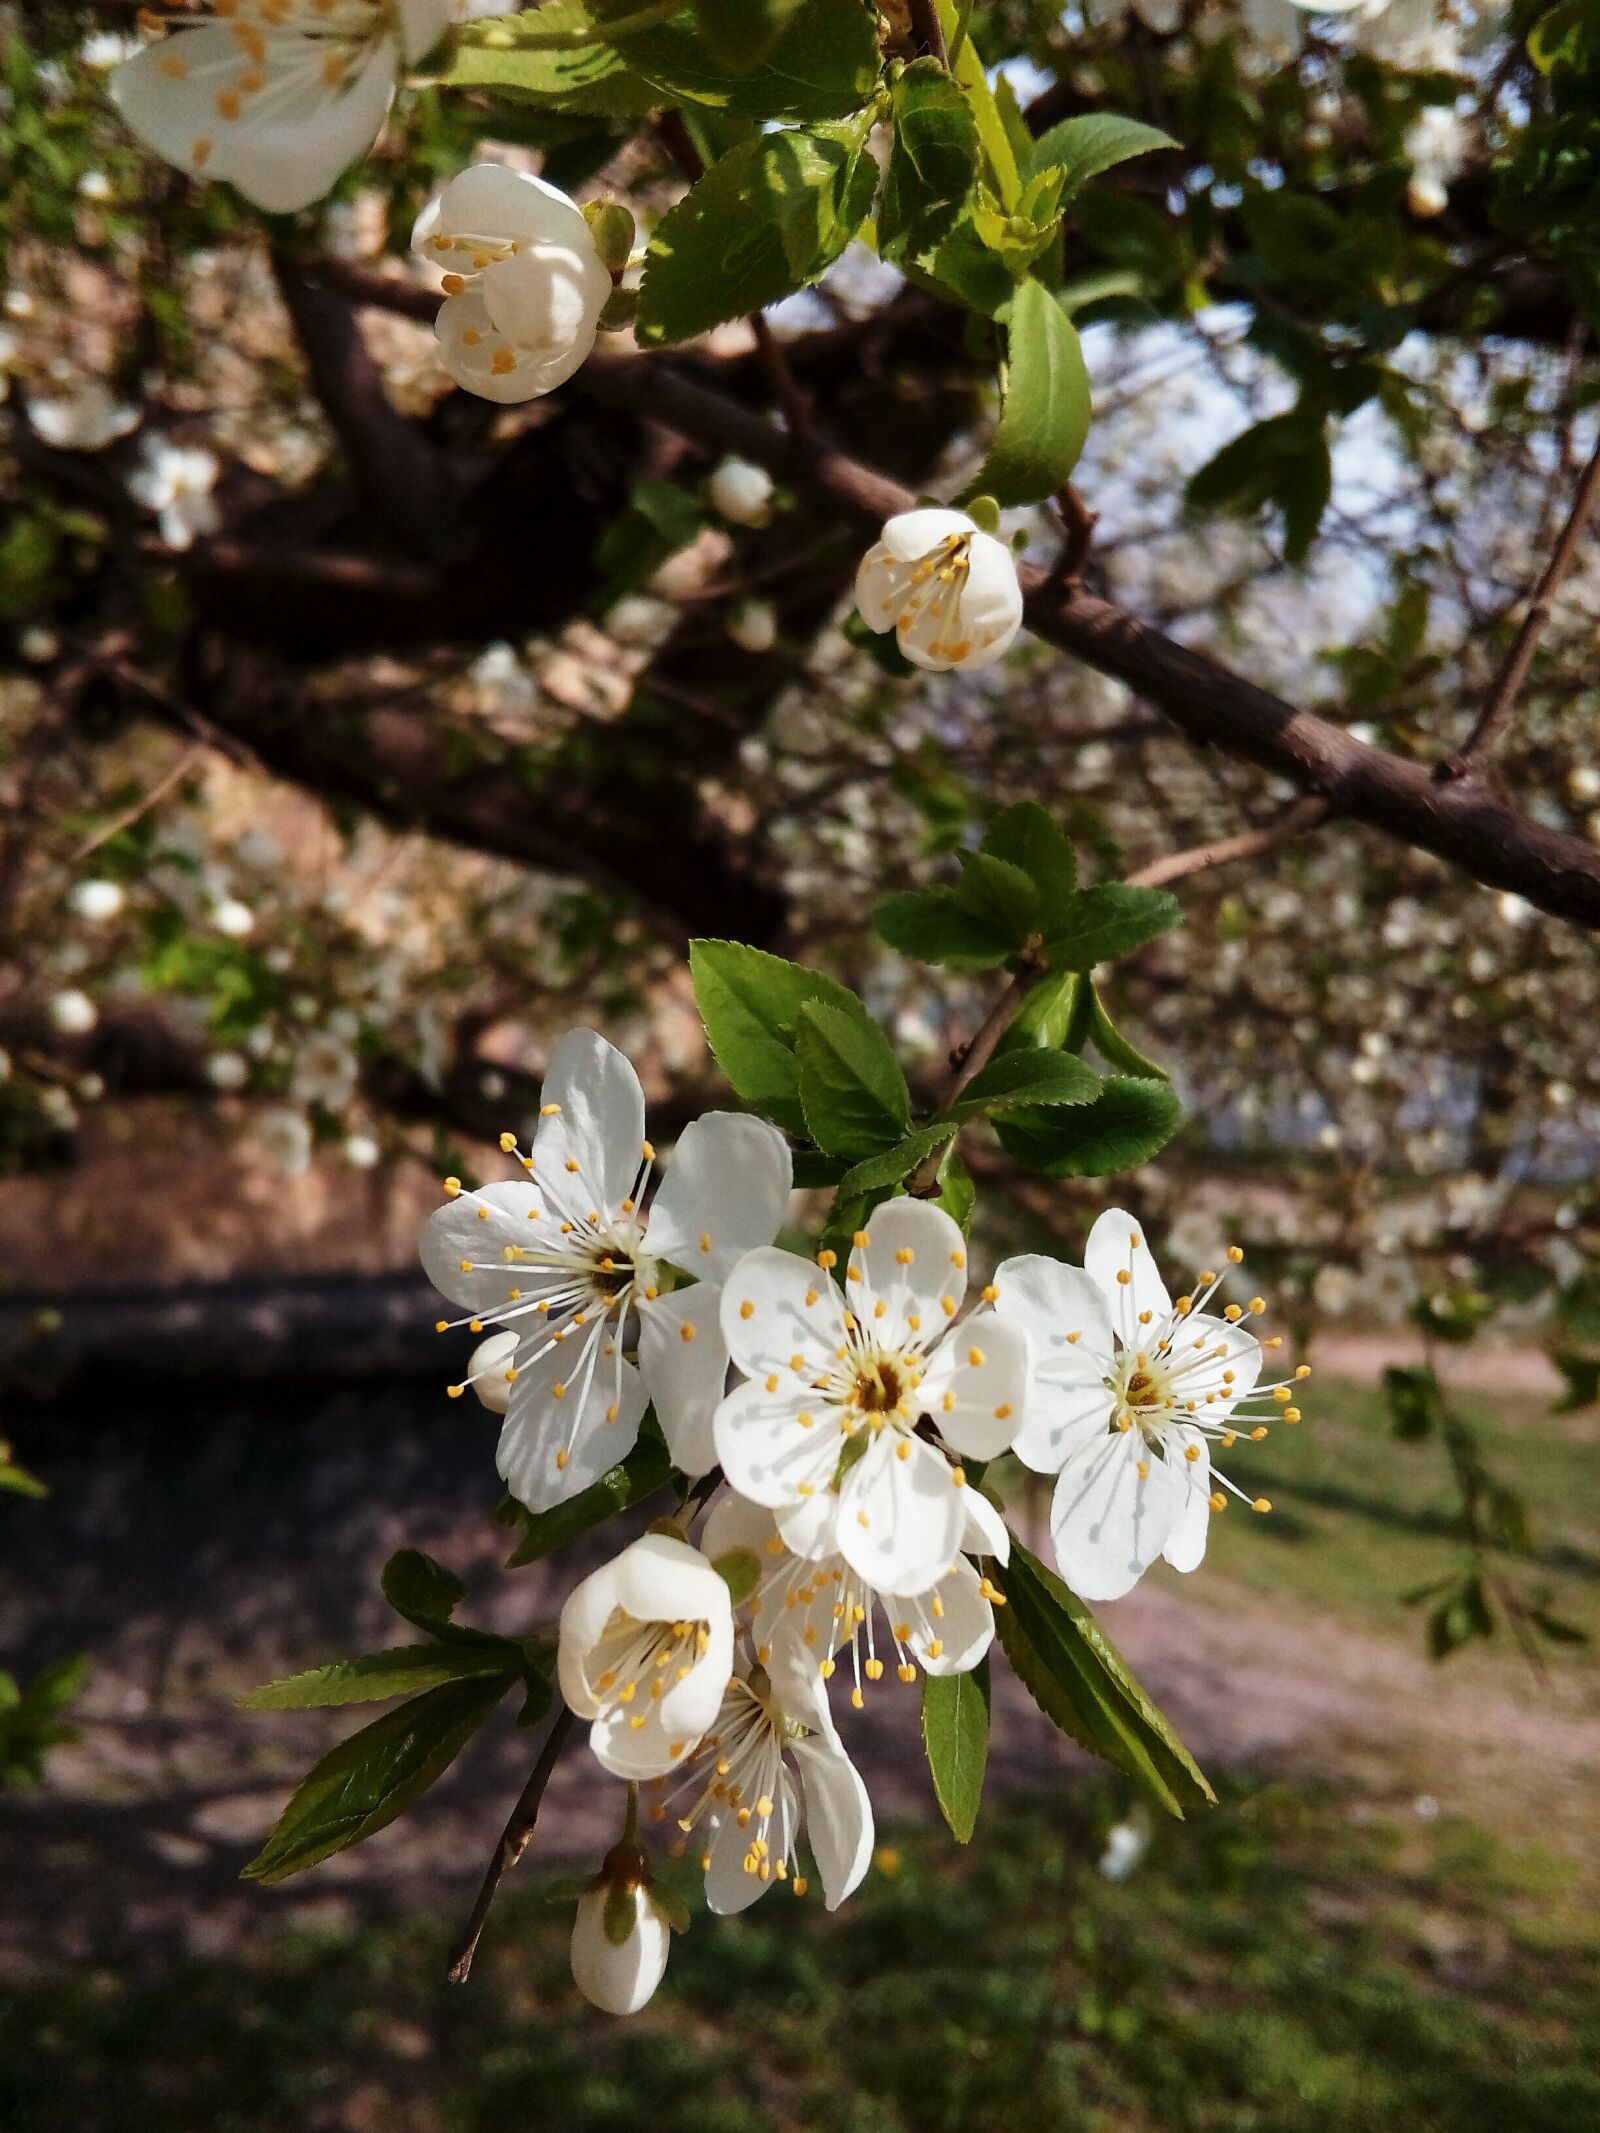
513,1842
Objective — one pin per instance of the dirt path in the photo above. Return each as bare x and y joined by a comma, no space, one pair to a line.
198,1556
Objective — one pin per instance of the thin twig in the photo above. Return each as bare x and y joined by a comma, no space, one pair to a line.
929,29
1080,522
174,774
513,1843
967,1061
796,410
1501,700
1304,815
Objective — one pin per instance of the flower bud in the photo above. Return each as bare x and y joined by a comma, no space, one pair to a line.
741,492
97,901
754,626
611,227
486,1372
620,1940
73,1013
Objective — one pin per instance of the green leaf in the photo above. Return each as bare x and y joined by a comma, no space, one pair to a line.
739,34
822,66
750,1004
1026,1077
1582,1374
932,163
422,1590
374,1776
881,1171
1124,1126
1114,1048
1283,461
852,1091
955,1732
933,926
1027,836
1044,417
19,1481
958,1196
646,1469
1112,920
1074,1674
1047,1016
400,1671
740,1570
999,894
1081,148
1415,1403
770,217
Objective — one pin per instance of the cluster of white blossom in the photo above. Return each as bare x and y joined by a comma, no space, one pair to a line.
830,1415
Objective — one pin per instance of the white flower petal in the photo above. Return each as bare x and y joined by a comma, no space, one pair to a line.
810,1528
735,1522
482,361
507,206
976,1387
963,1630
1061,1308
478,1228
767,1452
1118,1246
1109,1522
593,1419
729,1889
775,1308
684,1361
915,1265
726,1192
1186,1543
986,1531
486,1371
422,24
619,1980
1219,1362
900,1518
839,1824
991,606
910,535
597,1122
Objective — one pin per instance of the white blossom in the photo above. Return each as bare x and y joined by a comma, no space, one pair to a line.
645,1651
1131,1392
176,481
73,1013
772,1736
836,1386
524,284
325,1071
97,901
569,1258
619,1979
753,626
284,1138
276,96
84,420
741,492
232,918
948,590
227,1070
362,1152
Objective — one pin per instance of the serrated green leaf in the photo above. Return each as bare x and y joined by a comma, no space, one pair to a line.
750,1004
852,1091
1109,921
1044,417
933,926
1076,1677
374,1776
932,163
999,894
767,219
1081,148
822,66
422,1590
646,1469
1114,1048
1028,837
375,1676
955,1732
1025,1077
879,1172
1126,1124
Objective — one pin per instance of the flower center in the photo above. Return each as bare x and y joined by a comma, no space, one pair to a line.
880,1387
638,1662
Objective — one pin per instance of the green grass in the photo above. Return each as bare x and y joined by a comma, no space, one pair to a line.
1292,1962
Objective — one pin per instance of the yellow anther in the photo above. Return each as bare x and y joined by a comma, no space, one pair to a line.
1124,1276
860,1240
1218,1501
1232,1313
975,1358
1191,1451
441,1325
906,1671
1257,1305
1291,1414
827,1259
1261,1504
452,1186
958,1258
560,1393
1235,1254
811,1297
1144,1470
873,1670
647,1150
686,1332
705,1240
1258,1433
455,1391
958,1477
508,1142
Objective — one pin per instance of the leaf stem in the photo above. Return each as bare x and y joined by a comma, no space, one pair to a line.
967,1061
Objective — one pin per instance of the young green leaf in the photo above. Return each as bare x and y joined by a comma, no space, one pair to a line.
646,1469
1081,148
955,1732
769,217
879,1172
958,1196
932,162
1114,1048
422,1590
1123,1127
1000,894
739,34
750,1004
1282,461
1026,1077
1112,920
1074,1674
375,1676
375,1775
852,1091
1044,417
1415,1403
933,926
1028,837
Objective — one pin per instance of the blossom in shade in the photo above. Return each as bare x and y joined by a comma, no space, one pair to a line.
645,1651
523,280
837,1385
619,1977
175,481
808,1607
948,590
85,420
771,1766
569,1259
276,96
741,492
1132,1393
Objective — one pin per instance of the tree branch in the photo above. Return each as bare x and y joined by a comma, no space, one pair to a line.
513,1843
1501,700
1249,844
